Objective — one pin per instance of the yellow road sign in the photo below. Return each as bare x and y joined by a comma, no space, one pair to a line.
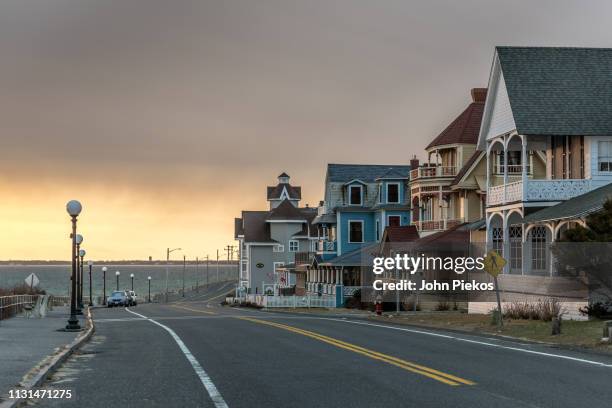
494,263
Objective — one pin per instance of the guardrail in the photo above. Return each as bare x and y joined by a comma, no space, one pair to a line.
13,305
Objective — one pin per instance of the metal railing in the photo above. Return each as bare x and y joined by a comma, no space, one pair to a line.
13,305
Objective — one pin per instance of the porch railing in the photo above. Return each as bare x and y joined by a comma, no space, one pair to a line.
433,171
538,190
437,225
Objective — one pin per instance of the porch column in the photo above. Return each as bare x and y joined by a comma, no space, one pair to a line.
553,238
506,243
488,172
523,250
524,158
505,169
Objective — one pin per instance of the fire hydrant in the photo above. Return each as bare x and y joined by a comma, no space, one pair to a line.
378,305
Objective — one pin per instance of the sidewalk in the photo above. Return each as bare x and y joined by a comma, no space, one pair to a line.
24,343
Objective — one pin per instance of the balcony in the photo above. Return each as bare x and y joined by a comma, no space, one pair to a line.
537,190
433,171
437,225
304,258
326,246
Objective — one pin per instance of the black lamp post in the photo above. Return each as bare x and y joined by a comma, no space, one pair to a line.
79,241
90,264
104,269
149,279
74,209
132,277
82,254
117,275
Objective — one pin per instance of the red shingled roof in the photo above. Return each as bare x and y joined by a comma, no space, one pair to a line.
406,233
466,127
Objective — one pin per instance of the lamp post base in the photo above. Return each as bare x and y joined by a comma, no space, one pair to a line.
73,324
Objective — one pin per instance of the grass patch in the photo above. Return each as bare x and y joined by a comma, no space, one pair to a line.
573,333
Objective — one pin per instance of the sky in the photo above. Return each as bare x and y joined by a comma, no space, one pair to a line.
167,118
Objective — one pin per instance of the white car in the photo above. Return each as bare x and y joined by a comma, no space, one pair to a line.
133,298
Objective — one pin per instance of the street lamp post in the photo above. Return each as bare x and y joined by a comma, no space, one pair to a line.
184,266
79,241
149,279
117,275
90,264
197,277
168,252
82,254
132,277
104,269
74,209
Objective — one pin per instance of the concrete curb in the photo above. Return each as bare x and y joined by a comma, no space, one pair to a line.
48,367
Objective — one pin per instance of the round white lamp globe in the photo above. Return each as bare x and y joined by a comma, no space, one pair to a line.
74,208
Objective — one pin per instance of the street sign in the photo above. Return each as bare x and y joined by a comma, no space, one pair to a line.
32,280
494,263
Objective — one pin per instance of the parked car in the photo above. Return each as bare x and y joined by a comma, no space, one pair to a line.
133,298
117,298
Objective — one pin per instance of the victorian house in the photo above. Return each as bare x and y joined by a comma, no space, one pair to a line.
270,239
449,189
552,105
361,200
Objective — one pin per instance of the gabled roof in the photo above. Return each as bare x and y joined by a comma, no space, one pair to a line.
367,173
559,91
238,227
576,207
450,237
477,156
406,233
275,192
466,127
255,227
286,211
394,174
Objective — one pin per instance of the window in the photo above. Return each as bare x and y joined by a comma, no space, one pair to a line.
604,155
538,248
516,246
294,246
394,221
498,240
278,248
380,193
355,195
393,193
355,231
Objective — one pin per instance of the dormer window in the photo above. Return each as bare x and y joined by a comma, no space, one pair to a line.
393,196
355,195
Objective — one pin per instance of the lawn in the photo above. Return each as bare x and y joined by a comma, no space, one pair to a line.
573,333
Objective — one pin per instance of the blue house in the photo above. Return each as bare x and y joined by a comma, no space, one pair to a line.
361,200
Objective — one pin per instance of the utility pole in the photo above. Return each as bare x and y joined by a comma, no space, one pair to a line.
197,277
207,274
184,266
217,265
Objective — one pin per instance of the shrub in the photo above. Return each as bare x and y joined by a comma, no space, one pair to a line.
545,310
598,310
442,306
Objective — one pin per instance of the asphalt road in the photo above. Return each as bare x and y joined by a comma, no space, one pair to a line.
195,353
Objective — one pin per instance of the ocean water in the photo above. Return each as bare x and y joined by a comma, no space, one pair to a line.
55,279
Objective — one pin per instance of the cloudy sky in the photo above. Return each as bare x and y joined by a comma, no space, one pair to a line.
166,118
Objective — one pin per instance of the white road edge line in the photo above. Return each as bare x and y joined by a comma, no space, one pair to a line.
212,390
483,343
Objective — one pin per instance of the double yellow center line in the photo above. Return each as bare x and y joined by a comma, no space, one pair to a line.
192,310
440,376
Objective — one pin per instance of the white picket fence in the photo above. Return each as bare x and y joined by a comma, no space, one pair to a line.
288,301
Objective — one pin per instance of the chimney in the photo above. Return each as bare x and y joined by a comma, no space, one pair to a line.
414,162
479,94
